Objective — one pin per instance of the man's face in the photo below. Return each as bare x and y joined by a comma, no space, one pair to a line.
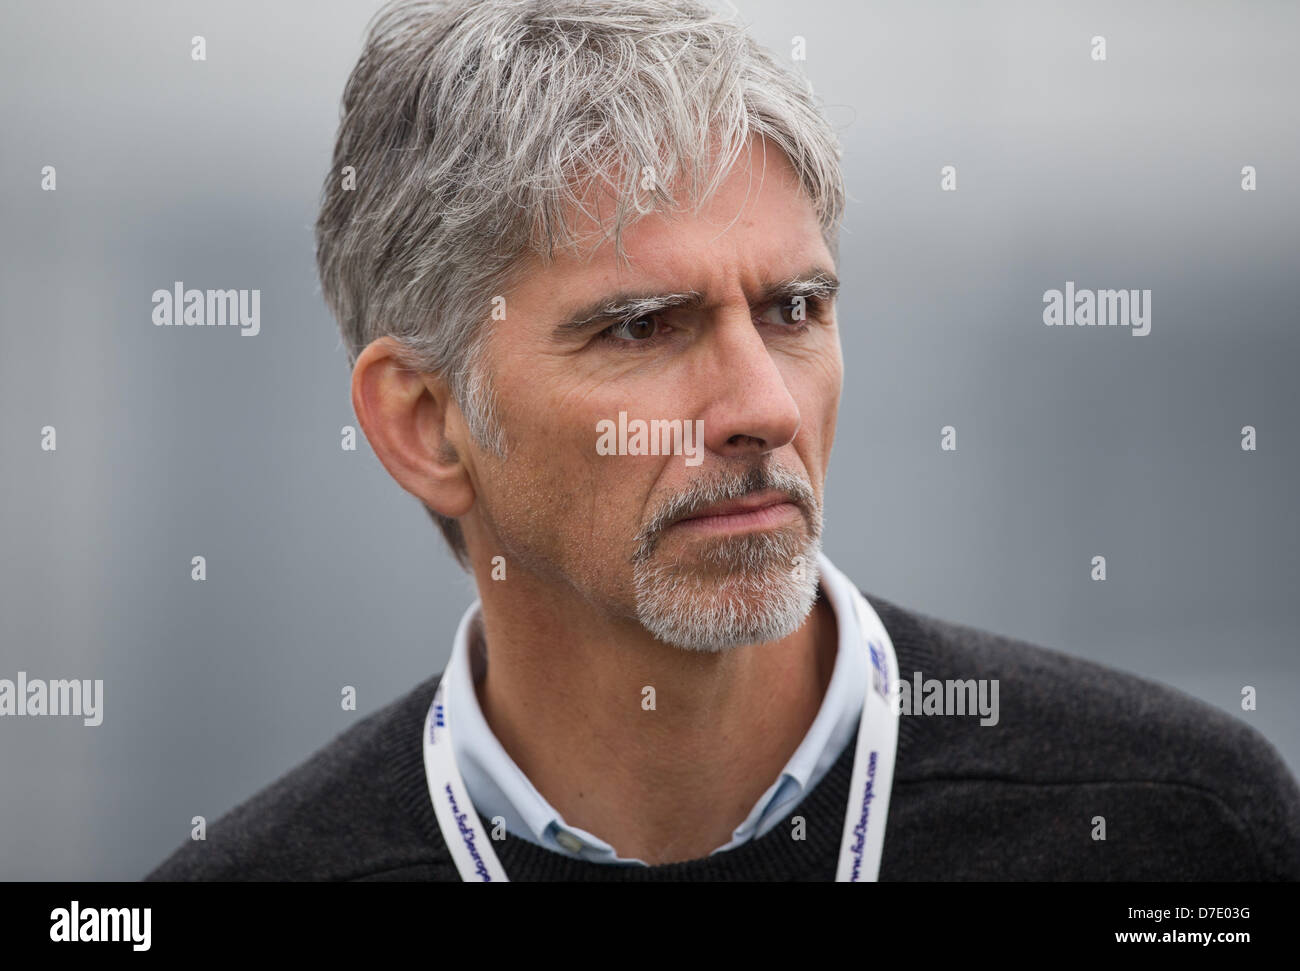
625,532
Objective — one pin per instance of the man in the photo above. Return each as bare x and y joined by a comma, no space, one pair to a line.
583,257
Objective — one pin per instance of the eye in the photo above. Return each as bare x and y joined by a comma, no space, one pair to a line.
633,330
794,312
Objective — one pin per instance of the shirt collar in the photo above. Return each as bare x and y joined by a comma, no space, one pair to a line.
502,793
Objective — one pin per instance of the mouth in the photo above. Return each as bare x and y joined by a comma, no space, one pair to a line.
765,510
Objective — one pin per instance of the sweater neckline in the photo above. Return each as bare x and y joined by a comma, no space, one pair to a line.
775,855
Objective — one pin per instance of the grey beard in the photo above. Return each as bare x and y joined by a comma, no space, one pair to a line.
761,588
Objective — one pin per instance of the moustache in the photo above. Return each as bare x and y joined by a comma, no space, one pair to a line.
705,492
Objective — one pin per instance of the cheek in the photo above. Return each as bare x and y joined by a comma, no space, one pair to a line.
831,390
555,501
815,383
816,390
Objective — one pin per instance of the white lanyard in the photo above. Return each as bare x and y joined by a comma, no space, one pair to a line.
864,822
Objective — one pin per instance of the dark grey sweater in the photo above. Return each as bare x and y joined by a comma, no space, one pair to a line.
1186,792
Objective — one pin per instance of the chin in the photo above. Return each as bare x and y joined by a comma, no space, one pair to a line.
741,590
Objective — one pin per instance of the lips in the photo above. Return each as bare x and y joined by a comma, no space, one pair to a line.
739,507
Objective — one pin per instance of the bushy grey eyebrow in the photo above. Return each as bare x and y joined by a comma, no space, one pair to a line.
625,306
819,284
816,284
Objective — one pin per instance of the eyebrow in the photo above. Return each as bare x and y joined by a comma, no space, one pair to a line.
627,305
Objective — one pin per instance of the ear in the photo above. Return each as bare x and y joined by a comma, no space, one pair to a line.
414,427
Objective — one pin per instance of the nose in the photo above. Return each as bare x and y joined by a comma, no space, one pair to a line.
750,410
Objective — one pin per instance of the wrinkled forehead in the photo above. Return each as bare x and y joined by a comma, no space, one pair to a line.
756,227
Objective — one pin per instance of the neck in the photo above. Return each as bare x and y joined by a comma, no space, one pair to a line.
659,751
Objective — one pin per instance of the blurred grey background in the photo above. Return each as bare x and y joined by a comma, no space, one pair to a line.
322,572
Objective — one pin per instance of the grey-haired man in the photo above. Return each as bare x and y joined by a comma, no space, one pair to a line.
571,247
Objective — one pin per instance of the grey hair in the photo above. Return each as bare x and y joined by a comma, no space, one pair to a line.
473,128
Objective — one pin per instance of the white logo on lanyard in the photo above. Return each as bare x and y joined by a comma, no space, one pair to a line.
868,806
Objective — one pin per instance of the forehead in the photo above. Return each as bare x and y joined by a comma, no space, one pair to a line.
758,227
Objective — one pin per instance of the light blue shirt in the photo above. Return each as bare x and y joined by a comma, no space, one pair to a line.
498,787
